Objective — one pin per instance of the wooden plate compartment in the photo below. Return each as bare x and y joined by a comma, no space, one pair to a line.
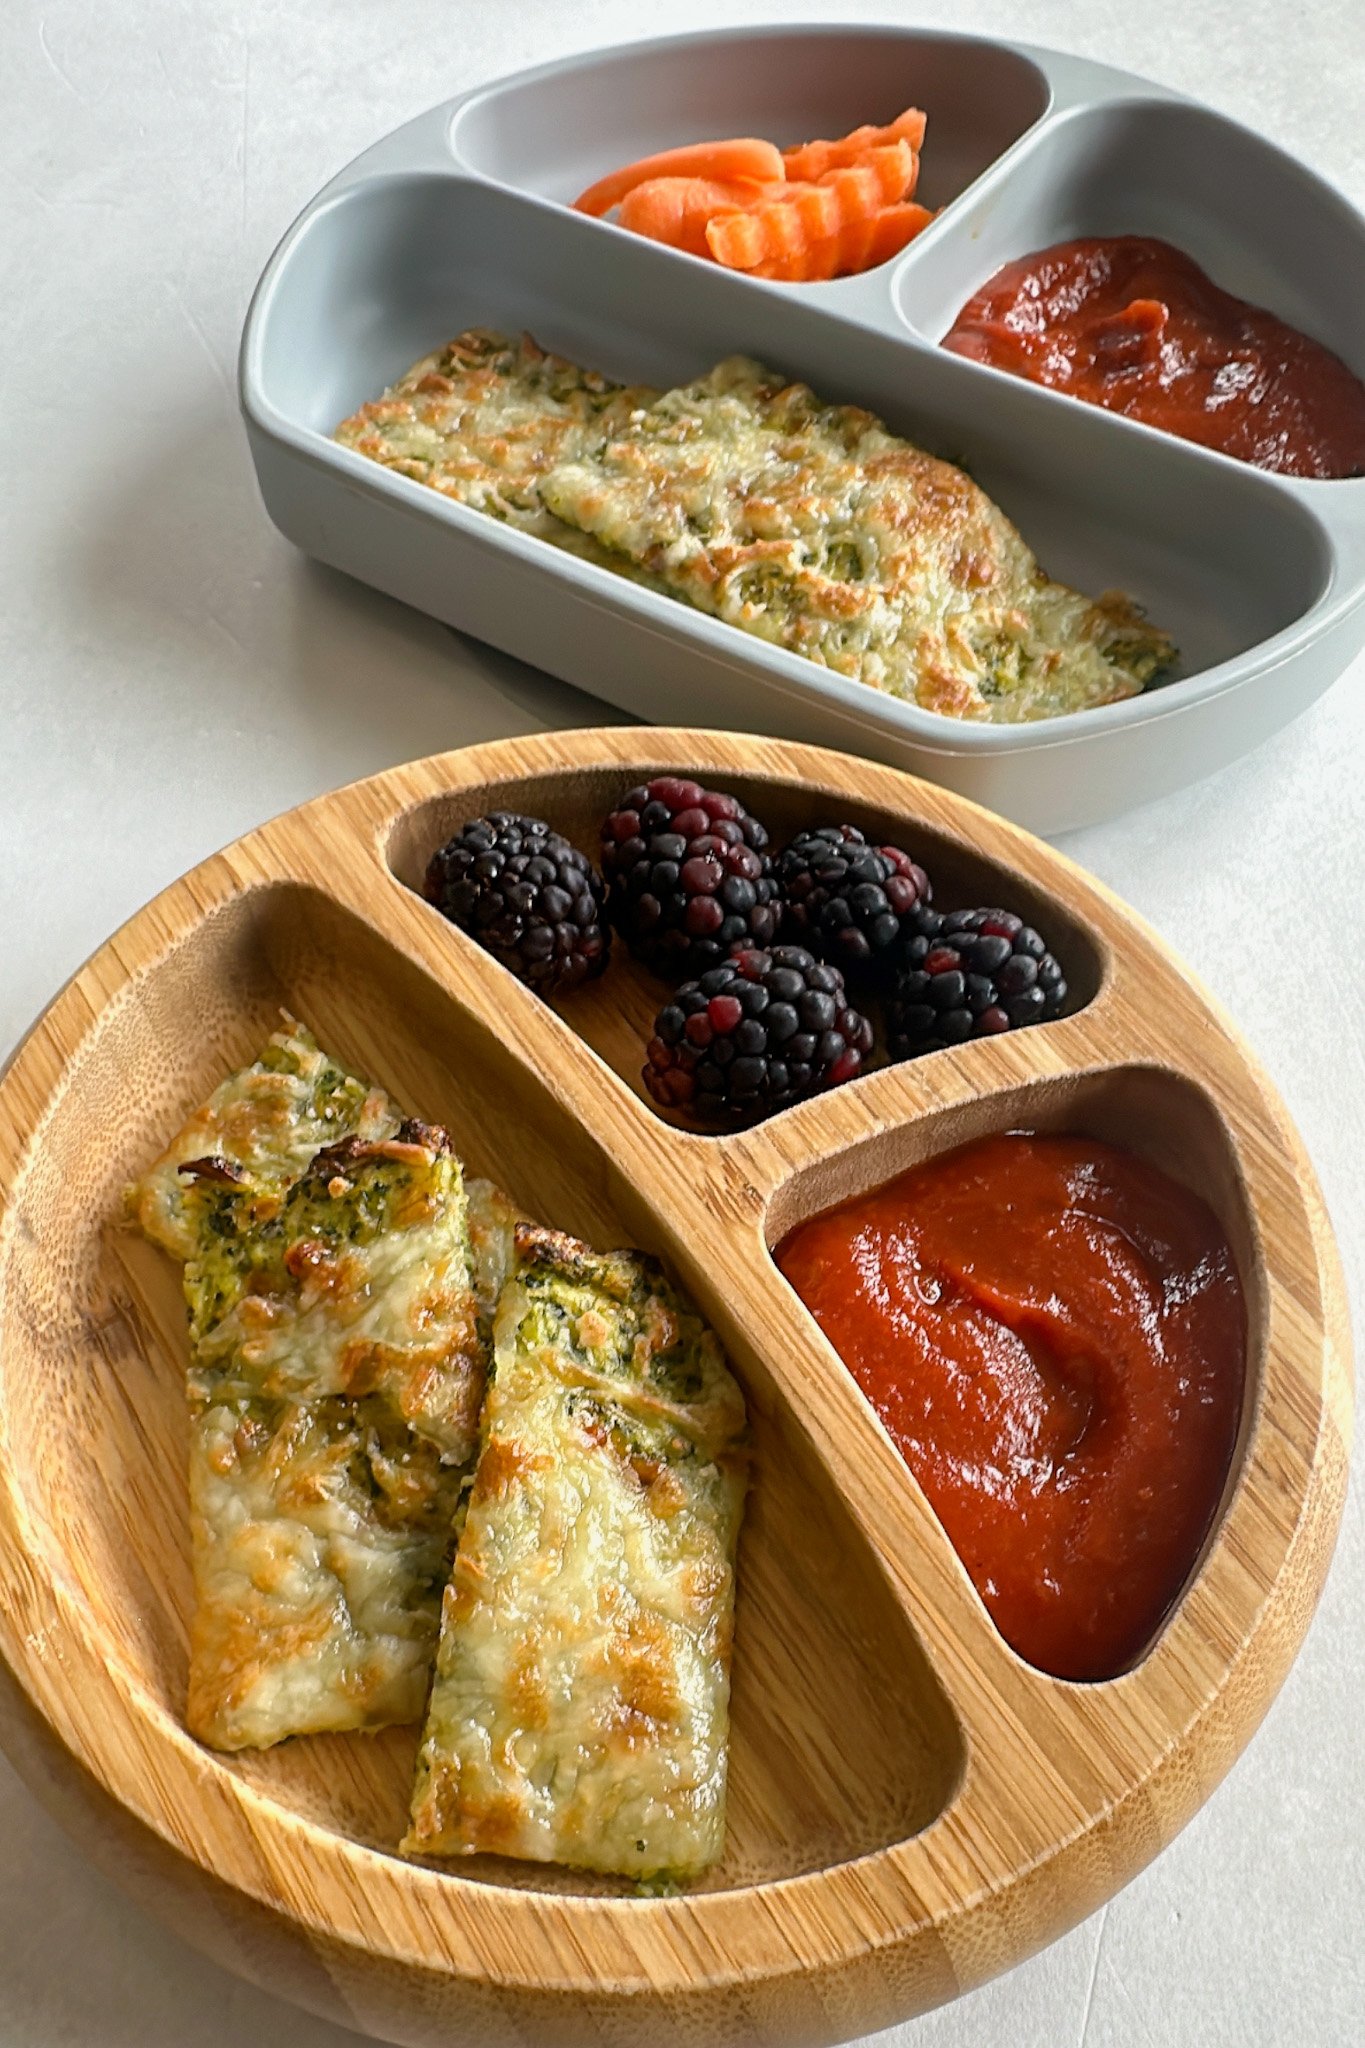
616,1014
912,1807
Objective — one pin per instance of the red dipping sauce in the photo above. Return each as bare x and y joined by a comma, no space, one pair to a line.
1053,1333
1137,326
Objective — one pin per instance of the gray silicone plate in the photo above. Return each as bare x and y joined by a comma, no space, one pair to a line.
459,219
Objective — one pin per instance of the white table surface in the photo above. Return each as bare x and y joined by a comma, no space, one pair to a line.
171,672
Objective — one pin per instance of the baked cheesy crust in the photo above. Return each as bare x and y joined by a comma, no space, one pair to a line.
360,1284
322,1535
580,1709
483,418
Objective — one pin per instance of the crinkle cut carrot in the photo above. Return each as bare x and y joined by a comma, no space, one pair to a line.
742,156
861,246
813,160
676,210
777,230
805,214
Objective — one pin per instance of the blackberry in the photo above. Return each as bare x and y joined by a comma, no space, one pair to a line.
763,1029
528,896
970,974
688,876
848,901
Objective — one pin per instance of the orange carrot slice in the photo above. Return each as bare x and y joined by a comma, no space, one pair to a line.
813,159
910,182
740,157
780,229
676,210
861,246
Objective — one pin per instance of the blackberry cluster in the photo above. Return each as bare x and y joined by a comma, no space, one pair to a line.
528,896
761,1030
688,876
758,950
969,974
849,902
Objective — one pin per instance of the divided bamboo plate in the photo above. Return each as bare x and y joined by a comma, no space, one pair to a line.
912,1807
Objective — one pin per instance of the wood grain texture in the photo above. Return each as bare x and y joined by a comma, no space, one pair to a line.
912,1807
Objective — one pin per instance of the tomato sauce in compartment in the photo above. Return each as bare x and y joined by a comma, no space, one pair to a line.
1053,1333
1135,325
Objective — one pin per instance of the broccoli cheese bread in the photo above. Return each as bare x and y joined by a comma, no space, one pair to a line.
809,525
268,1120
580,1708
813,527
346,1292
322,1534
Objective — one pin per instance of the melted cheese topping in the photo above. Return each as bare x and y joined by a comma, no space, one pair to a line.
321,1542
580,1709
362,1285
814,527
268,1119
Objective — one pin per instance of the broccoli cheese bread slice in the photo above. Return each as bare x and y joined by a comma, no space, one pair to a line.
480,420
580,1708
813,527
267,1121
361,1284
322,1534
323,1526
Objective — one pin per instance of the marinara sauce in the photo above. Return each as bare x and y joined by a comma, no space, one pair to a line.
1053,1333
1137,326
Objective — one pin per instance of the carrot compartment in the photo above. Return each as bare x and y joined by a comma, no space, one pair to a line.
821,209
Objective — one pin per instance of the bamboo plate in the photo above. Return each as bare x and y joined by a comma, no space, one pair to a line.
912,1807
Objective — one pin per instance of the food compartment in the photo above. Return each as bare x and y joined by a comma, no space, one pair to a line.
841,1738
1162,1117
387,270
615,1013
1259,223
555,130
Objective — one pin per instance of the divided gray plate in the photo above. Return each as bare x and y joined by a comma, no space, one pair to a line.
460,219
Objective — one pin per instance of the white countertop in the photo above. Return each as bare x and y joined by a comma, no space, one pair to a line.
171,672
